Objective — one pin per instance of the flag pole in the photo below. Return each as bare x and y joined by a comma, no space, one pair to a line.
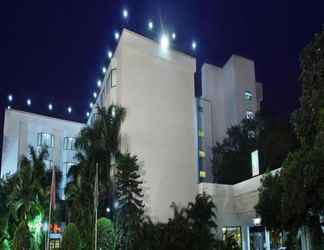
53,190
96,207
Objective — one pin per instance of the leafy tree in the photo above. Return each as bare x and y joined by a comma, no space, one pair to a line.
96,144
129,195
71,238
232,157
22,239
201,214
106,234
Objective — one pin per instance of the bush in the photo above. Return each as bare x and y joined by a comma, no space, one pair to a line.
22,239
71,238
105,234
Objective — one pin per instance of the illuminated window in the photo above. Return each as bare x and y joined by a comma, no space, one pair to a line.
69,143
248,95
201,133
249,115
45,139
54,244
113,78
233,233
202,174
202,154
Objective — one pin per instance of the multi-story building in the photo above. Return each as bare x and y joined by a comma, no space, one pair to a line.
229,94
171,135
23,129
156,87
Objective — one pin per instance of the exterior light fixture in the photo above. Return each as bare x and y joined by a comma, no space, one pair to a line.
91,104
110,54
116,35
50,106
87,114
194,45
257,221
174,36
99,83
9,107
150,25
69,110
125,13
10,98
94,95
104,70
28,102
165,42
108,210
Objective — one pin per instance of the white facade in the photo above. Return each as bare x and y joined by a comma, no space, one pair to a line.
156,87
23,129
229,94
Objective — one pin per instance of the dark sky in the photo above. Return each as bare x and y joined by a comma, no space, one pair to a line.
53,51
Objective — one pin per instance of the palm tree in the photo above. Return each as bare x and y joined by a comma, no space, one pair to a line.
96,144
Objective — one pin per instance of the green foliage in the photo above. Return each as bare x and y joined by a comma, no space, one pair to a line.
298,190
22,238
106,234
232,158
190,228
129,194
96,144
71,238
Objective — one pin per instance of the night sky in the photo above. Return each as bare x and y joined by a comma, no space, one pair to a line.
53,51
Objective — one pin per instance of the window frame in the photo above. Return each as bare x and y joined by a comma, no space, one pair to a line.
67,145
248,96
40,140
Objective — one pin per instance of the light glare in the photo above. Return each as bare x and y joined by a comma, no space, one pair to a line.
69,110
116,35
104,70
164,42
91,104
109,54
94,94
194,45
125,13
28,102
87,114
174,36
10,98
150,25
99,83
50,106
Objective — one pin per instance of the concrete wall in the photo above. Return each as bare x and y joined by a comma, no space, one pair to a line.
20,131
157,89
223,95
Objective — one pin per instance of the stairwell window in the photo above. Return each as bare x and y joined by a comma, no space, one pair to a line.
249,115
45,139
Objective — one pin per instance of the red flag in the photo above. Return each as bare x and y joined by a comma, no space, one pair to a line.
53,189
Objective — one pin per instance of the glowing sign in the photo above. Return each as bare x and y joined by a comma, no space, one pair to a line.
255,162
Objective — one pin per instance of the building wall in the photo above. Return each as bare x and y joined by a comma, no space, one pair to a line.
157,89
224,102
20,132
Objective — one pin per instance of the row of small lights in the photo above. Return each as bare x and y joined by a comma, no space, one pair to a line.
29,103
164,43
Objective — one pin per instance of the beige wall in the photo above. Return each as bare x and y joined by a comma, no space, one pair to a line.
157,89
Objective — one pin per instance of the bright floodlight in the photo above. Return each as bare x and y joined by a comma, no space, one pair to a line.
9,107
150,25
108,210
91,104
99,83
69,110
110,54
164,42
94,95
87,114
10,98
50,106
104,70
125,13
194,45
174,36
28,102
116,35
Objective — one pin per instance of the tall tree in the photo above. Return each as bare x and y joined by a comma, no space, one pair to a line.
129,194
97,144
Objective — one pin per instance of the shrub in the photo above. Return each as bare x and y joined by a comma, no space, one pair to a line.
71,238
